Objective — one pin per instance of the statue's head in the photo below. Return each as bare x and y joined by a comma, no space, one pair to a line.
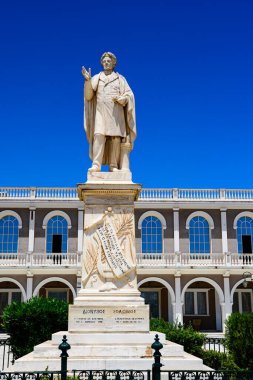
108,61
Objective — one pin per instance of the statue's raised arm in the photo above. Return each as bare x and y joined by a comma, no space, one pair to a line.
88,91
109,116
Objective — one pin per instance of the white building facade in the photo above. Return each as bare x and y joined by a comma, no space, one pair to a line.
194,250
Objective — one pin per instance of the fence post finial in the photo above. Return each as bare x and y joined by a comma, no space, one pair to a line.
156,366
64,347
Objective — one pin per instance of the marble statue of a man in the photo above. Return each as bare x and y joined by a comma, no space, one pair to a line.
109,119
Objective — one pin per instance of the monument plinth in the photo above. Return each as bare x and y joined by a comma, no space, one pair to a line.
109,299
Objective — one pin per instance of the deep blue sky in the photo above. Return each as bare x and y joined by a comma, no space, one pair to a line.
189,63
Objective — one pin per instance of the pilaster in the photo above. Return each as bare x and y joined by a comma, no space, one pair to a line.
227,307
224,233
178,317
29,285
31,229
176,229
80,230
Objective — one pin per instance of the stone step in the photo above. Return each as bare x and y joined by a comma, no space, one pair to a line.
107,351
29,363
146,338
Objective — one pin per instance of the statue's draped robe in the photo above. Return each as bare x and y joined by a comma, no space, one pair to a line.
104,116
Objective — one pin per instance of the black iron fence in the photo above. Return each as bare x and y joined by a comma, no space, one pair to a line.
46,375
112,375
215,344
207,375
156,373
6,353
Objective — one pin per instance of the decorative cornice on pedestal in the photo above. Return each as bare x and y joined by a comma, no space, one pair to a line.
108,189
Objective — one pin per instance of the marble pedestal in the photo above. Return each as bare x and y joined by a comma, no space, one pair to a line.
108,322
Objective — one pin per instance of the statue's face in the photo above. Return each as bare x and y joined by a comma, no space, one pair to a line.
107,63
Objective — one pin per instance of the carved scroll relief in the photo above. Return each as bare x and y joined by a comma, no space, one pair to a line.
109,253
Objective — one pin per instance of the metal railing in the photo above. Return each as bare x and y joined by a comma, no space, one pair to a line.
147,194
112,375
215,344
6,353
207,375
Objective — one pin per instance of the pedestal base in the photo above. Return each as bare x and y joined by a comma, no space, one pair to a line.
119,177
96,351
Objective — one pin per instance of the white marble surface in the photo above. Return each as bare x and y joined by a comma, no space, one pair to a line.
109,318
107,351
110,177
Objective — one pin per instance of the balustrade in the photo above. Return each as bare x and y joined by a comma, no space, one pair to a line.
155,259
39,259
156,194
144,260
147,194
38,192
198,194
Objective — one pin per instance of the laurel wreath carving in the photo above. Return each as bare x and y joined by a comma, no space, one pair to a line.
123,224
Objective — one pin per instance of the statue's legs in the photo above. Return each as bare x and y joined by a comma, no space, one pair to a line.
114,153
98,152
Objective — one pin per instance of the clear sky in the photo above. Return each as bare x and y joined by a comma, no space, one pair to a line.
189,63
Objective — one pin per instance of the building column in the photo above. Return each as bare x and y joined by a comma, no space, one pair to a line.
31,229
29,285
227,306
176,229
178,310
80,231
78,281
224,232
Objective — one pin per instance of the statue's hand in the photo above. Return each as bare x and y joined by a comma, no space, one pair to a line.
86,74
122,100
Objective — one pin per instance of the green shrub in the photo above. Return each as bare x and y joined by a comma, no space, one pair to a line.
32,322
185,335
239,339
218,360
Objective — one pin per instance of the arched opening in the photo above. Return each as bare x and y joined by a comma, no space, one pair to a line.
56,287
57,235
10,291
202,300
160,296
242,297
9,231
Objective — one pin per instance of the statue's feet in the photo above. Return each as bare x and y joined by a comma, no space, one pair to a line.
94,168
113,169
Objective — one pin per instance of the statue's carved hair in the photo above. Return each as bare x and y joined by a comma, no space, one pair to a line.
110,55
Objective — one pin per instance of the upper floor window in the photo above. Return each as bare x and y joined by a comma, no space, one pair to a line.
199,235
152,235
57,235
244,234
9,226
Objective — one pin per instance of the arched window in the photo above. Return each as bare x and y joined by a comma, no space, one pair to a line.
152,235
9,226
199,235
245,234
57,235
